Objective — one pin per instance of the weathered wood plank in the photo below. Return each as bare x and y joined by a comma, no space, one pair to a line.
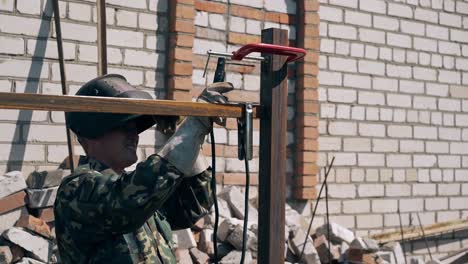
70,103
416,232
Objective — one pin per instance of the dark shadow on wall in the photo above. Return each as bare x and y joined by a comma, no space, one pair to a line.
17,152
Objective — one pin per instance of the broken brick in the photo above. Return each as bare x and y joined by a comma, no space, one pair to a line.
199,257
34,224
12,202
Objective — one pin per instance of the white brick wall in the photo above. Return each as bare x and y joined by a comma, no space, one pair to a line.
29,64
401,67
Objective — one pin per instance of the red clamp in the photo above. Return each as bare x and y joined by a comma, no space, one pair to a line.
292,53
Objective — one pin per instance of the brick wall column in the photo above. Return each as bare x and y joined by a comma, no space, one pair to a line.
180,56
307,106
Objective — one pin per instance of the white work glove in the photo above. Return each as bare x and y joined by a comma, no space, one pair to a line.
214,93
183,149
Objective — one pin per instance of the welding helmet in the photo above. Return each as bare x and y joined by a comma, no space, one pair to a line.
94,125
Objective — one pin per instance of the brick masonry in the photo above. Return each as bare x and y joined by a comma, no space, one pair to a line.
159,46
225,27
390,84
137,34
393,85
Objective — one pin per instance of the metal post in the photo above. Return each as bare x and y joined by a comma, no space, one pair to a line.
102,37
63,77
272,178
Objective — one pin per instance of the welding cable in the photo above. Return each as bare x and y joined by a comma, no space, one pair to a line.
246,202
215,199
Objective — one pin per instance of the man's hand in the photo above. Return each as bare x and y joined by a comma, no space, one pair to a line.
214,93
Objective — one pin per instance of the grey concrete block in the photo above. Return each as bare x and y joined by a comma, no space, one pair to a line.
38,247
45,179
40,198
11,182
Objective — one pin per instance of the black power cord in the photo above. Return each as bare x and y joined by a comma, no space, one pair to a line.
246,202
215,199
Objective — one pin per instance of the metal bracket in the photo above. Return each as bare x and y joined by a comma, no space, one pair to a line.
245,133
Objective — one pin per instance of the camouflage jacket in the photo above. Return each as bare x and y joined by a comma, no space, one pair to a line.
104,217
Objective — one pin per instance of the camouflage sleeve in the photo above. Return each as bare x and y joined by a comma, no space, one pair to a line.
191,201
124,204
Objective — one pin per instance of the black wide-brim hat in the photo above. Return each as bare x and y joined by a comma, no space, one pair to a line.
94,125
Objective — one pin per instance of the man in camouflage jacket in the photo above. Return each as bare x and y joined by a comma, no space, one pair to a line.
104,214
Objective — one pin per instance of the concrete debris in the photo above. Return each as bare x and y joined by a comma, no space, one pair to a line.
40,198
338,233
11,182
226,226
5,255
294,220
223,209
29,261
38,247
387,256
235,200
27,224
199,257
184,238
458,257
365,244
235,238
416,260
46,179
8,220
183,256
296,242
234,257
396,250
224,249
205,243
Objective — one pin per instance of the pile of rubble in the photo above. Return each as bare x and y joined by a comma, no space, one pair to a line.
27,216
329,243
28,235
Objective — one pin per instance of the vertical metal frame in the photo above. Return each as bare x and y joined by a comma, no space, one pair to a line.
102,37
63,78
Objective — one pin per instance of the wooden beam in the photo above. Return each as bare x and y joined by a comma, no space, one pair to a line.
70,103
272,173
412,233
